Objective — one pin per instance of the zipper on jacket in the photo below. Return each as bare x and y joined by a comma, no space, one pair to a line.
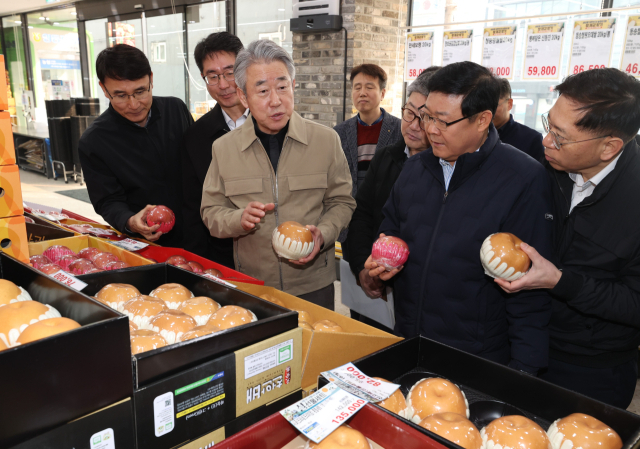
428,260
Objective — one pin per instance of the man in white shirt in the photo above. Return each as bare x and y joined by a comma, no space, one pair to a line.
215,56
594,279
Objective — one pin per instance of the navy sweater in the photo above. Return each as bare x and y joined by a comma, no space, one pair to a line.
523,138
442,293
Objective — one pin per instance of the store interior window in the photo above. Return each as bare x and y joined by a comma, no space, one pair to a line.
531,98
15,60
202,20
265,19
165,50
55,57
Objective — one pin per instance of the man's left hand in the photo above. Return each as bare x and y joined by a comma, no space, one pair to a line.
542,274
318,241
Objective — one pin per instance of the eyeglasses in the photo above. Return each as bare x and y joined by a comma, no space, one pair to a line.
140,95
409,116
440,124
556,138
212,79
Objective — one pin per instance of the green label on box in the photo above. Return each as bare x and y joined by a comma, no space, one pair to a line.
199,383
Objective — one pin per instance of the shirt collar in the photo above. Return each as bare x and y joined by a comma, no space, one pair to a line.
445,164
374,123
599,177
147,122
406,151
228,120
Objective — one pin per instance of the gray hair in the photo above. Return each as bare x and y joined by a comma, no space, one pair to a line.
260,52
420,84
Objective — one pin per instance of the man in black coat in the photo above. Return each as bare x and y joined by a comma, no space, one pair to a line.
385,168
594,164
515,134
446,202
215,56
130,154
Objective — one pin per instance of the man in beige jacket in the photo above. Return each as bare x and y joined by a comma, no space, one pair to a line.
274,168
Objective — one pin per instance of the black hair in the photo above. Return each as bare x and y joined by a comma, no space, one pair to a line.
215,42
475,83
122,62
609,100
426,73
505,88
372,70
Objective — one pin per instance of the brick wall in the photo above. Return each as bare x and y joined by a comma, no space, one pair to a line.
372,37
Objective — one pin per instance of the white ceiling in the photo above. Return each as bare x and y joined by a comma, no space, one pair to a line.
12,7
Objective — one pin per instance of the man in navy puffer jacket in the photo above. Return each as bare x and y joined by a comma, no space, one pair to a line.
447,200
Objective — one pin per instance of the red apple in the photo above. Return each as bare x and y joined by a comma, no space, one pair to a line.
184,266
195,267
163,216
38,260
81,266
88,253
49,268
390,252
55,252
116,265
213,272
176,260
101,260
67,260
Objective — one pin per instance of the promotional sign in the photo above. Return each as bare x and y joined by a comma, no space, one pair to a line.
323,412
591,46
121,33
68,280
631,55
543,52
498,50
456,46
419,54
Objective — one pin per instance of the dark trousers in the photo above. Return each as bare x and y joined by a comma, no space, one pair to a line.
325,297
614,386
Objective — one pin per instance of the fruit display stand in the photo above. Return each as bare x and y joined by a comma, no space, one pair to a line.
41,229
64,377
492,390
322,351
82,241
160,254
383,429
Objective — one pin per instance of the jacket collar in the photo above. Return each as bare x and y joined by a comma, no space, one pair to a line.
466,165
216,121
297,131
396,151
155,115
506,128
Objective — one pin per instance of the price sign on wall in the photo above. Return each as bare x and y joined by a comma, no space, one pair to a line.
631,55
591,46
498,50
419,54
543,52
456,46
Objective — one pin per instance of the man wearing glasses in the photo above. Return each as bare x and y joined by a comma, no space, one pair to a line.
385,168
130,155
515,134
594,164
215,56
446,201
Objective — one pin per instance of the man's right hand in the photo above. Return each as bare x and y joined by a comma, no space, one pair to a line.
138,223
372,287
253,213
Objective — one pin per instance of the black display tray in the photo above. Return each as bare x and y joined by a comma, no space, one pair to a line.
493,390
52,381
154,365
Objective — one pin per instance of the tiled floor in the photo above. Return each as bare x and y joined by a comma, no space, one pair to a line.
38,189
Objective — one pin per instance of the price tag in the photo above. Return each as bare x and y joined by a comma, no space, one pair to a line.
543,52
591,46
498,50
323,412
130,244
349,378
218,280
419,54
68,280
456,46
631,55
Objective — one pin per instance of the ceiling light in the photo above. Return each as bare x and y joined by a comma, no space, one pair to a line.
30,26
280,9
18,22
56,23
41,17
73,13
